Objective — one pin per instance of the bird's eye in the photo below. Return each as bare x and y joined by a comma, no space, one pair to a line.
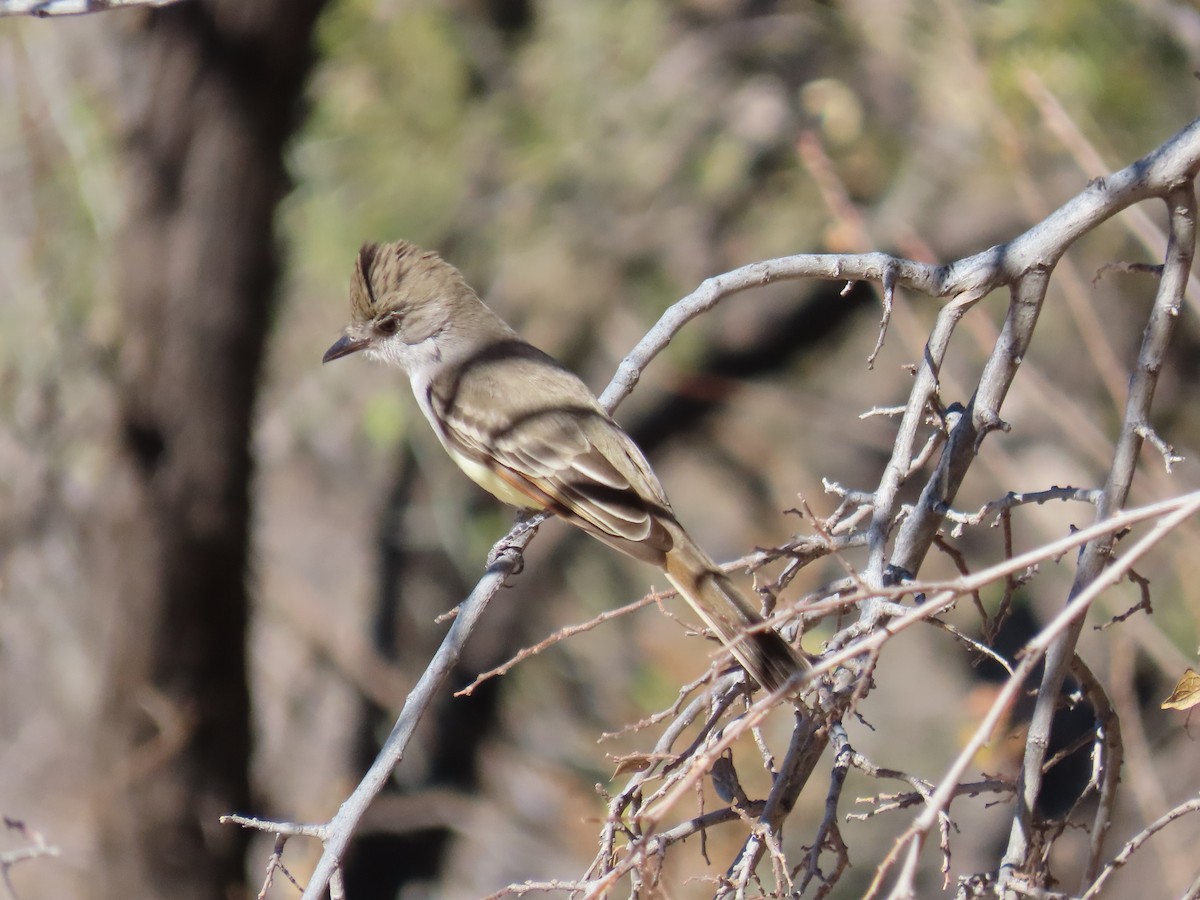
387,326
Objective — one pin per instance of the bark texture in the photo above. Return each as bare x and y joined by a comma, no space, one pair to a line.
216,89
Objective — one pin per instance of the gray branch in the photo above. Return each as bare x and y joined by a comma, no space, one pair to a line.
1024,265
46,8
1181,201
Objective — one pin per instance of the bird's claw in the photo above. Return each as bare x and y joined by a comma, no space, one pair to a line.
509,553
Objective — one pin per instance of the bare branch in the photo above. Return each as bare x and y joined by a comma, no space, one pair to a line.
1150,436
1143,603
35,848
1096,555
561,635
1013,499
341,828
1137,841
1024,265
889,293
46,8
1051,635
1110,751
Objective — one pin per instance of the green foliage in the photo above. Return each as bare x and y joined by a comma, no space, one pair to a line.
382,152
1103,60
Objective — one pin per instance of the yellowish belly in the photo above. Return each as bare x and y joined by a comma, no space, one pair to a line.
493,483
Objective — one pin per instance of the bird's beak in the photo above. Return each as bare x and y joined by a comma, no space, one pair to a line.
344,346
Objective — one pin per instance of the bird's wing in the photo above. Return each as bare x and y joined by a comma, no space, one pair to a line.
580,464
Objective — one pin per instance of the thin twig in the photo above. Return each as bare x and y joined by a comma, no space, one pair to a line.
1032,654
1013,499
1023,263
560,635
36,848
342,826
1096,554
1110,751
827,835
1136,842
47,8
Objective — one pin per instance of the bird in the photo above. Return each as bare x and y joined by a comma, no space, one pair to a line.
525,428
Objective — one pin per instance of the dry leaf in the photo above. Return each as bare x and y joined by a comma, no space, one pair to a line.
1186,693
634,762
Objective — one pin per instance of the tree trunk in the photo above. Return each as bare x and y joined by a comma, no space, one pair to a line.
218,87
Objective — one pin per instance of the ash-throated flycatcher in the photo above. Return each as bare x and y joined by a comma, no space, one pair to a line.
530,432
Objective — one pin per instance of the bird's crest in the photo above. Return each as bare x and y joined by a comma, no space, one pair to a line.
388,275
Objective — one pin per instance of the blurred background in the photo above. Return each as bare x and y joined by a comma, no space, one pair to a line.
221,562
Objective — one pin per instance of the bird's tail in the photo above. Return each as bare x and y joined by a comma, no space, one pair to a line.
769,659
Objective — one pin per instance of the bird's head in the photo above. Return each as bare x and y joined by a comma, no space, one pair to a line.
402,299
